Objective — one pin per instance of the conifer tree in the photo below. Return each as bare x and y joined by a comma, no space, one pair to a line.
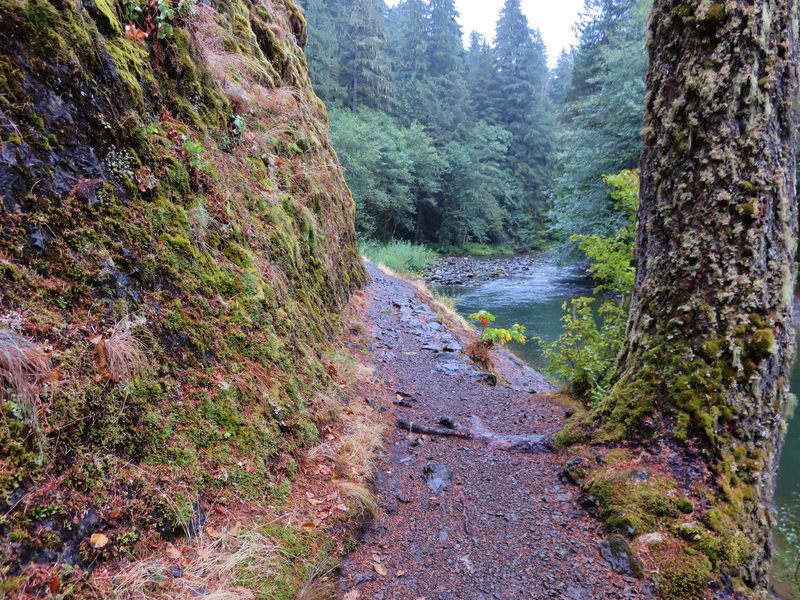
369,69
480,75
325,49
520,107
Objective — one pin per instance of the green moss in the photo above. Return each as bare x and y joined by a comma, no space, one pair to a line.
132,66
684,578
235,300
627,506
572,433
108,9
684,505
683,11
716,13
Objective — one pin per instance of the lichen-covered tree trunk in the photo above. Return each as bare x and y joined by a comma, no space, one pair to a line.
709,339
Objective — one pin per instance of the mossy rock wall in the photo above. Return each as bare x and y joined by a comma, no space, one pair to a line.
174,189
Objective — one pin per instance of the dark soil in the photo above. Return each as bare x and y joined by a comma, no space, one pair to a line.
465,519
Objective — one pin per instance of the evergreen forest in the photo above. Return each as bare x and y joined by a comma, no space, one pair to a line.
479,146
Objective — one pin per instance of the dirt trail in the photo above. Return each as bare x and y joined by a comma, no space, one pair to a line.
504,527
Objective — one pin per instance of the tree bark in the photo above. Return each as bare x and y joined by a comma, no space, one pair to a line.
709,339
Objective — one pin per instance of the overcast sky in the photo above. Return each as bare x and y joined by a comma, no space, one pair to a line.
554,18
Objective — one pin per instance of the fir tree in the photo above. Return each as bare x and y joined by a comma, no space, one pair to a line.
369,69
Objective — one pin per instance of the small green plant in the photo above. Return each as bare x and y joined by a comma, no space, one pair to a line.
584,355
480,348
194,155
494,335
159,15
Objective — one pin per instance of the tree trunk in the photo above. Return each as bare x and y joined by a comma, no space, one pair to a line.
709,338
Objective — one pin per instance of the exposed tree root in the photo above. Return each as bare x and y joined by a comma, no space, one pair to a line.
478,431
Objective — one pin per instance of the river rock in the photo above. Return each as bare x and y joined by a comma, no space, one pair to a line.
619,554
437,476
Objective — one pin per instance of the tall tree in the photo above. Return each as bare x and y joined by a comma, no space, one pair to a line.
600,123
325,49
445,48
480,75
709,338
520,107
368,69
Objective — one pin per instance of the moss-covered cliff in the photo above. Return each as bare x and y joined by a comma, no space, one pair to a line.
176,243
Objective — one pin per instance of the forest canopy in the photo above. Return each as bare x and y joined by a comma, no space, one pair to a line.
454,145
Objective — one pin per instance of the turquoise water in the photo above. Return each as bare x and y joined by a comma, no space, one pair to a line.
535,299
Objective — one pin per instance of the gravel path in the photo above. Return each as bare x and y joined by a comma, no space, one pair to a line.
460,519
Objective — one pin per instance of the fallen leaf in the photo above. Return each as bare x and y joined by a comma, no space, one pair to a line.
98,540
173,552
379,569
243,592
53,585
400,573
134,34
353,594
309,526
211,532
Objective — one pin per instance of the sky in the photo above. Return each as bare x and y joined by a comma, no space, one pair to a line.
553,18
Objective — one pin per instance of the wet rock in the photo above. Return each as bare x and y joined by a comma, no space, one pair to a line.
437,476
574,470
448,422
452,347
619,554
650,539
403,498
640,475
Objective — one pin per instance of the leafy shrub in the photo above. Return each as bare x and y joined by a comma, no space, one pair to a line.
479,350
584,356
400,256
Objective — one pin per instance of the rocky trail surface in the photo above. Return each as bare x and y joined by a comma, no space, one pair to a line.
468,517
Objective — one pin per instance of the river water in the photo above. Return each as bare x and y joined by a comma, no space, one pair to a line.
535,297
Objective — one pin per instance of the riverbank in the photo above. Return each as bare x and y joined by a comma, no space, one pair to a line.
470,270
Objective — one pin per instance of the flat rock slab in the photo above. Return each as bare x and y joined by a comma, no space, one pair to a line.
468,518
437,476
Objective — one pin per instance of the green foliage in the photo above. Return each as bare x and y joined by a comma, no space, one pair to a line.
584,355
163,13
494,335
601,88
398,255
461,154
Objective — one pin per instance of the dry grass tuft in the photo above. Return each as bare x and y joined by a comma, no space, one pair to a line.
121,357
319,584
218,566
328,408
355,455
24,370
360,495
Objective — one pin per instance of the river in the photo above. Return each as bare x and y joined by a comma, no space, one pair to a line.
534,298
